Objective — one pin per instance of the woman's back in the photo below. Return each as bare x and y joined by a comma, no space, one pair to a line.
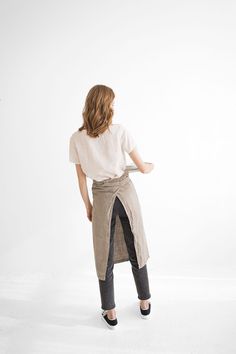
104,156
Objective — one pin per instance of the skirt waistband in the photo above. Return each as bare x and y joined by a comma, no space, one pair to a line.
111,180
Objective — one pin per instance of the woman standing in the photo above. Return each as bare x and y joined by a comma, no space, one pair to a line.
98,150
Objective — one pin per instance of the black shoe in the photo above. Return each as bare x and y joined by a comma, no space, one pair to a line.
110,323
145,313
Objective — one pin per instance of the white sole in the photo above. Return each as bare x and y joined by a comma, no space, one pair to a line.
145,317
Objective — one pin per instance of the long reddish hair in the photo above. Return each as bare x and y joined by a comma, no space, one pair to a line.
98,112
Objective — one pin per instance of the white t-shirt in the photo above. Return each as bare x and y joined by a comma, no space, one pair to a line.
104,156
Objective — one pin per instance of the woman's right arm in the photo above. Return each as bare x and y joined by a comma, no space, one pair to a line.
142,166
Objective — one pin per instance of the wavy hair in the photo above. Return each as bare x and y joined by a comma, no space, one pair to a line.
97,112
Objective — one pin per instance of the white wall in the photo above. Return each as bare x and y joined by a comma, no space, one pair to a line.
172,67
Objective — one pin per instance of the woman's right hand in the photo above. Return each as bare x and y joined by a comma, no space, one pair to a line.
148,167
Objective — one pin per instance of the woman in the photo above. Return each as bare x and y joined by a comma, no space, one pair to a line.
98,150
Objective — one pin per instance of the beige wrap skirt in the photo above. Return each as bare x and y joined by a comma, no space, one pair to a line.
104,194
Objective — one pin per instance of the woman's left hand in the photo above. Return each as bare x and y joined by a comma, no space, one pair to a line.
90,212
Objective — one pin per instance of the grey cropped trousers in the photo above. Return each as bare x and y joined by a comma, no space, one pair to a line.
106,286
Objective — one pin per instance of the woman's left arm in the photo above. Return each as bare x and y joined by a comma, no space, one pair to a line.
82,179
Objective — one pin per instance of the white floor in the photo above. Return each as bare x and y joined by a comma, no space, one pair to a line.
60,314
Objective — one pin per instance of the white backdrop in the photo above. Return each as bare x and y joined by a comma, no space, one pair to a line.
171,65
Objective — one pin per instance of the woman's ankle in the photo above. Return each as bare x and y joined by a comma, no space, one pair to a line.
144,304
111,314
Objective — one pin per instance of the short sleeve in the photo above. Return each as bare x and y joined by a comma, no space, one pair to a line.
128,143
73,153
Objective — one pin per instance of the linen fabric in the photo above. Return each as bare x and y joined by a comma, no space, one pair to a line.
104,195
102,157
